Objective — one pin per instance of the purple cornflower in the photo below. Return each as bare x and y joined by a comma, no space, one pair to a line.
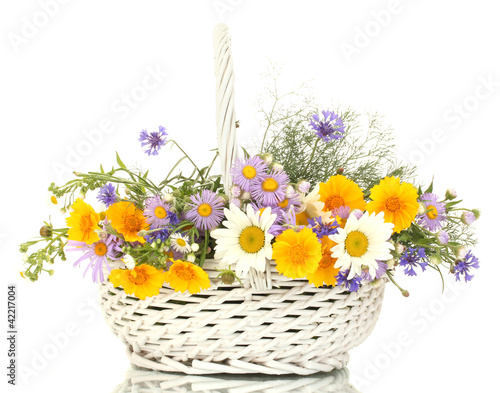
434,216
329,128
351,285
271,189
162,234
153,140
107,195
411,258
206,210
382,268
462,267
322,229
156,211
98,254
246,172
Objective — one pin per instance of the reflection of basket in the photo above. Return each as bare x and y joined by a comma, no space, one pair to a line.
271,325
138,381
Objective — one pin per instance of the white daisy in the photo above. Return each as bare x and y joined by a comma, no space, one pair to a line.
180,243
54,204
246,242
362,242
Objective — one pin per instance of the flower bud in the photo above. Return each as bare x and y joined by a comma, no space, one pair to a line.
376,283
421,209
461,253
237,202
246,196
399,248
468,218
443,237
167,197
289,192
228,277
405,293
45,231
477,213
190,257
303,186
390,263
267,158
176,193
450,194
195,247
51,272
357,213
435,259
25,257
277,167
235,191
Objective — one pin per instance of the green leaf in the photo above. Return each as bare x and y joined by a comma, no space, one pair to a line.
102,169
120,162
245,153
431,187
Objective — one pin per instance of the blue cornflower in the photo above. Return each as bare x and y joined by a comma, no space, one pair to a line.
162,234
351,285
173,218
107,195
462,267
330,127
411,258
153,140
322,229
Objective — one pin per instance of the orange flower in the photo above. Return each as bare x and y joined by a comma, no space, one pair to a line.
326,272
127,220
340,191
184,276
143,281
82,223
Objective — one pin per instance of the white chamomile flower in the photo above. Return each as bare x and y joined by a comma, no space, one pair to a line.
362,242
180,243
53,203
245,241
312,207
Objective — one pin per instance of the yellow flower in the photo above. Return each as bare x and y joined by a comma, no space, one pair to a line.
326,272
184,276
340,191
297,254
312,207
143,281
82,223
127,220
397,200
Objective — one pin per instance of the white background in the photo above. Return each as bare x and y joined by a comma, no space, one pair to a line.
421,63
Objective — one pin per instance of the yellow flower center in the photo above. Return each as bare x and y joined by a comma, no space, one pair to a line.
102,216
298,254
432,212
356,244
100,249
392,204
249,172
252,239
270,185
204,210
53,199
181,242
132,223
334,202
160,212
86,223
183,272
283,203
137,277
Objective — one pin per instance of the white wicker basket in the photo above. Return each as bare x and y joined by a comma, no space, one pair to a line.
270,325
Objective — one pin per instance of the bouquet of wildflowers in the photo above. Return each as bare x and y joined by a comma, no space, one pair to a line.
318,199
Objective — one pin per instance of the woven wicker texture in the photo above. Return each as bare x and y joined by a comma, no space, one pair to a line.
143,381
294,328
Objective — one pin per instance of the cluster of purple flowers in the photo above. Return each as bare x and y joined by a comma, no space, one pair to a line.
412,258
329,128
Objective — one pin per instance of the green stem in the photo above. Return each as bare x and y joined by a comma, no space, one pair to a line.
189,158
312,156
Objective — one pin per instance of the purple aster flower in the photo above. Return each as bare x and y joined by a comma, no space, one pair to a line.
156,211
412,258
443,237
107,195
153,140
271,189
434,216
97,254
329,128
462,267
351,285
206,210
382,268
344,212
161,234
246,172
323,229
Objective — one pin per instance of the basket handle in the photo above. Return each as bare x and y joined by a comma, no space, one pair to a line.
225,112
